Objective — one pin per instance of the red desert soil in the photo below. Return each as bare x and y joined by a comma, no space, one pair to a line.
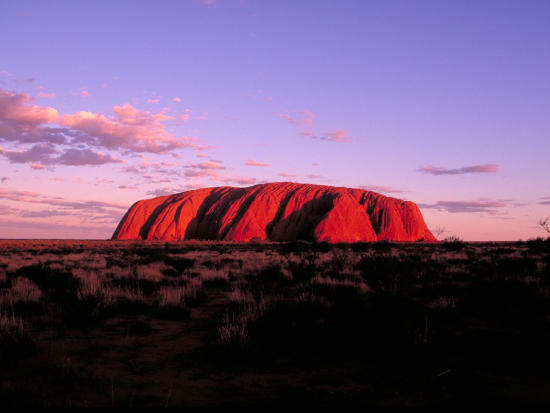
282,211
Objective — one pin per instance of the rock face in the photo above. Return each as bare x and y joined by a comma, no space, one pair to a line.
282,211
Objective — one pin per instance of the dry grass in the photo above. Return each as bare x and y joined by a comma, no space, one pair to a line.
22,290
359,285
11,328
395,310
447,303
92,285
114,295
172,296
233,329
240,297
234,326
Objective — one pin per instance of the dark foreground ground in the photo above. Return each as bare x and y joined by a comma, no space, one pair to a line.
86,323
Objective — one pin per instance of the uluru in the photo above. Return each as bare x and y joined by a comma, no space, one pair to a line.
282,211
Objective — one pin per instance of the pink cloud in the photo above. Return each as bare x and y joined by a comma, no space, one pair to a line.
336,136
43,154
198,147
381,188
39,153
211,171
207,165
243,180
204,169
301,119
84,93
15,107
44,213
22,196
304,120
162,192
127,128
286,175
43,95
184,117
251,162
84,215
130,129
202,116
196,173
153,101
11,77
480,205
155,169
91,206
6,210
20,121
318,177
174,190
132,187
129,115
29,229
239,180
75,157
475,169
176,100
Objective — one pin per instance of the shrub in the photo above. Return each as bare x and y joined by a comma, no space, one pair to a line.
545,224
302,267
453,243
381,246
208,274
517,266
387,274
58,282
538,244
179,263
268,278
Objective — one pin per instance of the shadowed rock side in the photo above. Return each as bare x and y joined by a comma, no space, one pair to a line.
279,212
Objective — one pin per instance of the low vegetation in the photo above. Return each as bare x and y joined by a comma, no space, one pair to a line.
101,323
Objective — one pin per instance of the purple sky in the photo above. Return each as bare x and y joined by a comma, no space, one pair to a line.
443,103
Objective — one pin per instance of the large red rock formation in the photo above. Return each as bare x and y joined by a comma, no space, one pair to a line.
282,211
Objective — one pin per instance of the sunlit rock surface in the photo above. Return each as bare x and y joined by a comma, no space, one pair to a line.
280,211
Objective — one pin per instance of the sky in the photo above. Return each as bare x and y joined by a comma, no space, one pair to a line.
104,103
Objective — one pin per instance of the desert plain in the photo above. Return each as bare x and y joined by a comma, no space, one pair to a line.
204,323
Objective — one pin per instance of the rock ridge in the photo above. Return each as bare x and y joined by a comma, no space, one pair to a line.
282,211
